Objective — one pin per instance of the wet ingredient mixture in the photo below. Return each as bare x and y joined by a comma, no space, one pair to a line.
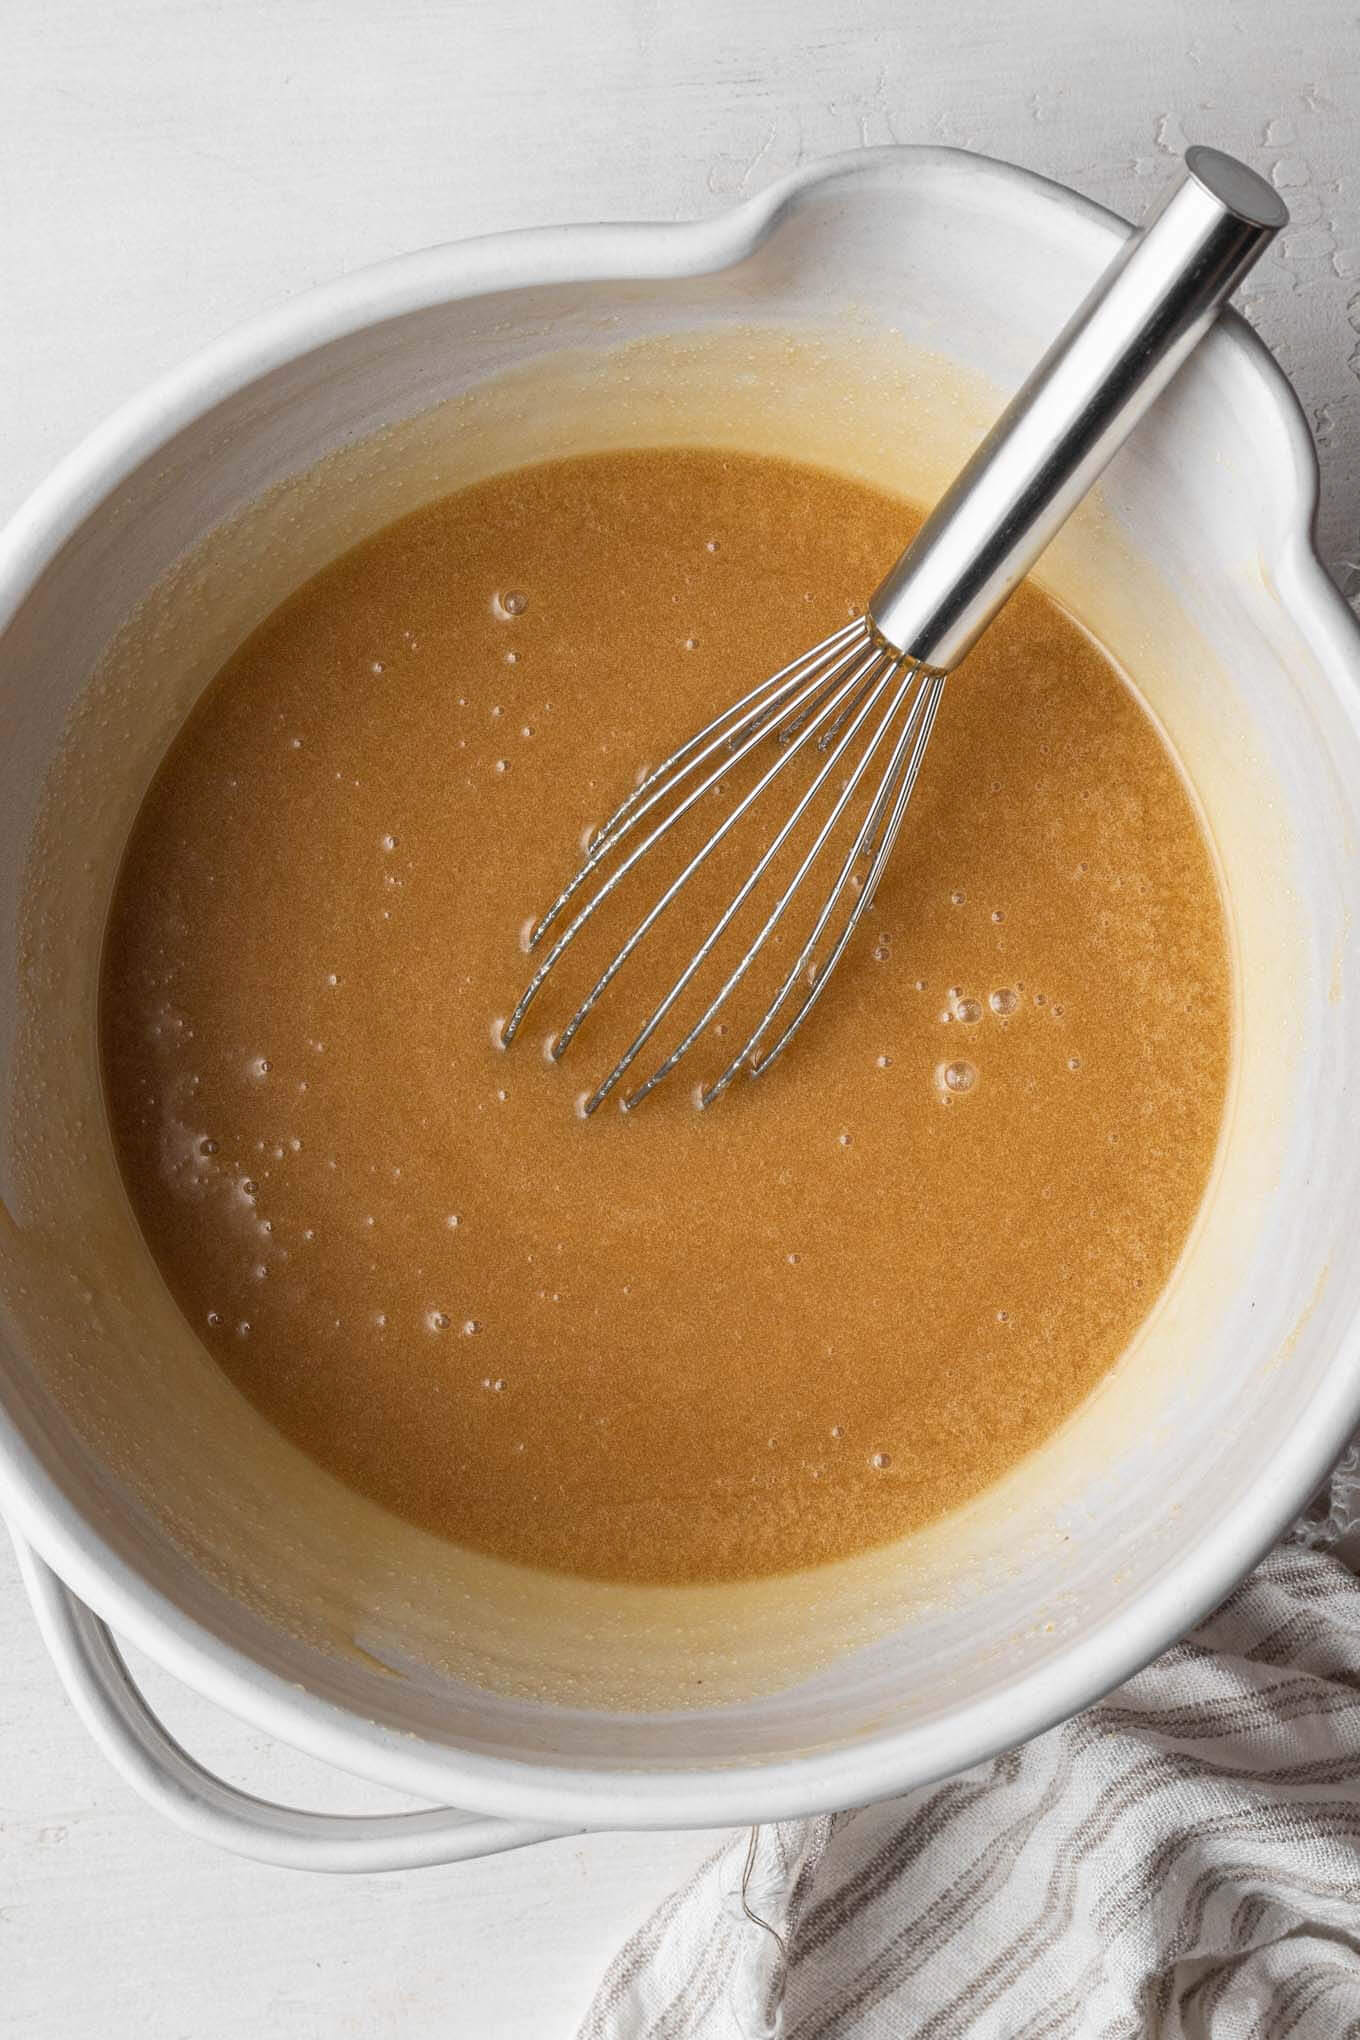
672,1346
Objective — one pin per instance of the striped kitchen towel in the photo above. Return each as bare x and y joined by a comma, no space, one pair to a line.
1182,1861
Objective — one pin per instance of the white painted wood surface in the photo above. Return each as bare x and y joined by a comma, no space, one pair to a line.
171,166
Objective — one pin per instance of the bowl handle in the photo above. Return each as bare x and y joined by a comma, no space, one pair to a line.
100,1688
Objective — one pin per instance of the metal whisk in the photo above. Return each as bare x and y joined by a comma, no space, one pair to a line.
858,708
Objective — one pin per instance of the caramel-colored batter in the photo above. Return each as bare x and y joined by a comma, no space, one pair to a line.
672,1346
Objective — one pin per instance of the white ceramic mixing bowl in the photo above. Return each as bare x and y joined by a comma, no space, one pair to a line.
869,312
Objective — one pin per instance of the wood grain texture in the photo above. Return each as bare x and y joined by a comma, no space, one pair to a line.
171,166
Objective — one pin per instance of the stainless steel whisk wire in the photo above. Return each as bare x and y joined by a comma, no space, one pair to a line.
1108,365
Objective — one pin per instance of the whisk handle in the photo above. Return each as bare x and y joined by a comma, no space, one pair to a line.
1109,364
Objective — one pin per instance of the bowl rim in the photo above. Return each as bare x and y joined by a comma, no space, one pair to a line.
821,1779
